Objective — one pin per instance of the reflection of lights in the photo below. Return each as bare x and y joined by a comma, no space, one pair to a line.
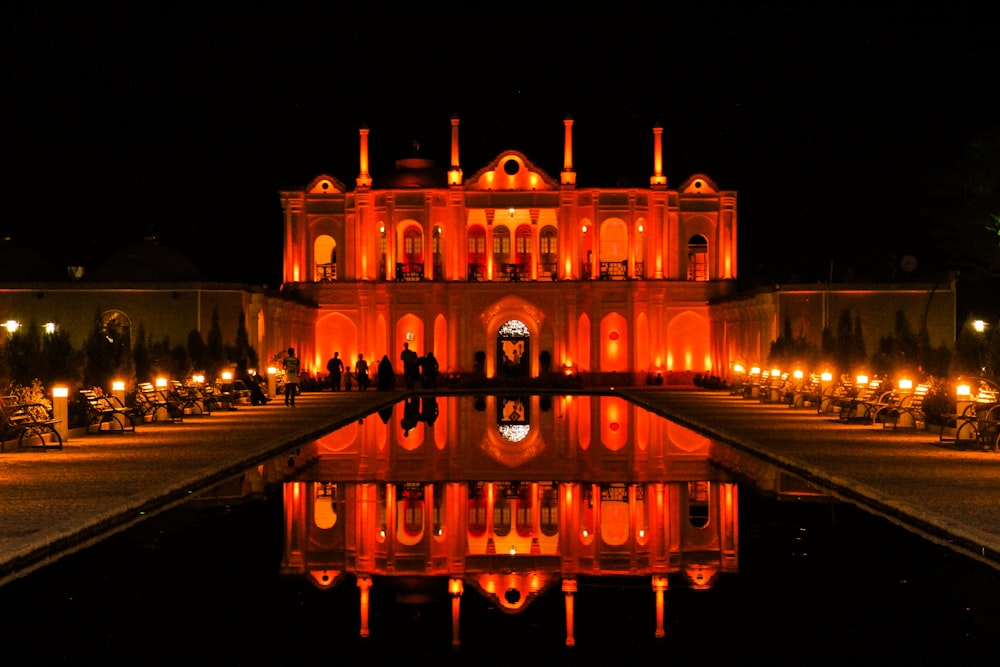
514,432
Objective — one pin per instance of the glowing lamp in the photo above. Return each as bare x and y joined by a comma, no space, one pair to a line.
60,392
797,375
11,325
755,370
199,378
271,370
826,376
963,390
50,327
118,385
738,368
906,384
513,551
861,379
161,382
979,326
776,371
227,376
455,586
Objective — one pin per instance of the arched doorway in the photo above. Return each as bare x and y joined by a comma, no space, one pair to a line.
513,349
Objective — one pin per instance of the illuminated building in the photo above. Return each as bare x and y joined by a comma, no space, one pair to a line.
512,265
510,262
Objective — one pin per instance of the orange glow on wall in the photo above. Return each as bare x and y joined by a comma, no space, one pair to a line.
614,422
582,407
688,339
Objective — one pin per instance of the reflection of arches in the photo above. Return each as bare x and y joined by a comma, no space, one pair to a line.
324,508
325,258
477,510
697,258
698,504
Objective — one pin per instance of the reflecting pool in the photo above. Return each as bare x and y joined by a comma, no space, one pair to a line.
500,529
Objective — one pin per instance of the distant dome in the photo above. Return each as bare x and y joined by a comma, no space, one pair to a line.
22,265
147,262
413,173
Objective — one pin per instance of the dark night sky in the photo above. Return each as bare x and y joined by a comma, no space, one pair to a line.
125,119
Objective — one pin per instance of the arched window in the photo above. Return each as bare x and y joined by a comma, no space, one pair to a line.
325,257
548,247
501,244
477,252
522,246
410,265
437,253
697,258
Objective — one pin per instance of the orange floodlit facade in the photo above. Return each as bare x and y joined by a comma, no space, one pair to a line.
511,498
505,258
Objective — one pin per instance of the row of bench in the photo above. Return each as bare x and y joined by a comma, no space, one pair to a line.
976,420
172,403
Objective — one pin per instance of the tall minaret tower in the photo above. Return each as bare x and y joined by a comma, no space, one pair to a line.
454,171
568,176
658,178
364,180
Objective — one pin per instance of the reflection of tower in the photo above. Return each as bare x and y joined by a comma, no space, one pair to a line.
687,528
514,538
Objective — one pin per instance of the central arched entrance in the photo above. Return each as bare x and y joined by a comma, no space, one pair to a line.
513,349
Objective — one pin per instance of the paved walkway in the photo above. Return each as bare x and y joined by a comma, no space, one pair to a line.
55,502
910,477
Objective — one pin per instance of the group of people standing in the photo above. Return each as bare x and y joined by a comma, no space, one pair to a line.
415,369
342,374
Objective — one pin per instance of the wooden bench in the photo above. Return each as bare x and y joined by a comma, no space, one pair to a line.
107,409
154,404
908,412
857,408
31,424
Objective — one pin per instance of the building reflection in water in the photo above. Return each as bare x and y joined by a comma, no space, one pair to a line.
508,497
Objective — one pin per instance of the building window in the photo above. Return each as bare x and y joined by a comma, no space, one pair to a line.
698,258
501,244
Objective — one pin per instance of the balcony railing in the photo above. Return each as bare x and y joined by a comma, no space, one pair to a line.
409,272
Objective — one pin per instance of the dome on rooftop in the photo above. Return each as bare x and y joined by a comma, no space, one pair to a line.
146,262
413,173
